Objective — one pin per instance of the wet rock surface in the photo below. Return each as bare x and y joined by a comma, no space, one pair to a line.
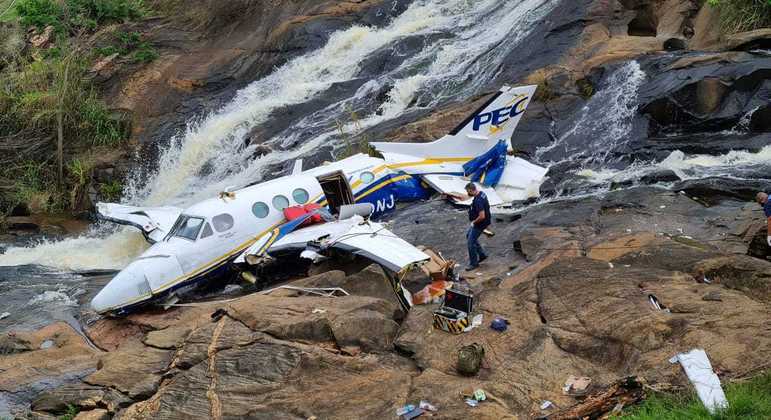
574,276
576,290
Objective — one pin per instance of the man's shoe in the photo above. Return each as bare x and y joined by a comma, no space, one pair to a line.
472,267
482,258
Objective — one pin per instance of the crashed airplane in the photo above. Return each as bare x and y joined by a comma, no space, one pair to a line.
318,212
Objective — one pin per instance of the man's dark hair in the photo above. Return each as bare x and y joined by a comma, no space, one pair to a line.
471,187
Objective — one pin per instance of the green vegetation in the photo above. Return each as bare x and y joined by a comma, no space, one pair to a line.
73,16
743,15
70,414
7,11
35,92
51,113
130,43
111,191
750,400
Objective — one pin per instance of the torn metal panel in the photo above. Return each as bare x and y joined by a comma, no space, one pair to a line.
153,222
697,367
355,235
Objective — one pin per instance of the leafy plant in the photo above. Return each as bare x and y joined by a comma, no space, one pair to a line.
130,43
111,191
70,414
145,53
71,16
742,15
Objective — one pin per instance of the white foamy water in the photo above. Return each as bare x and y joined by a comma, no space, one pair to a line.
53,296
210,155
604,123
730,165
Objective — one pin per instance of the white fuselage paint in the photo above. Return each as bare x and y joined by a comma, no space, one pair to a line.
176,261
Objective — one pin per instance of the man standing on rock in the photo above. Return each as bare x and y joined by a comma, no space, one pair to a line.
762,199
479,215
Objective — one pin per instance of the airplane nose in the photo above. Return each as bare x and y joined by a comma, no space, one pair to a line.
128,286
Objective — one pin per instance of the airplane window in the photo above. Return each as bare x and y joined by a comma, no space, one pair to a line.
280,202
300,196
222,222
260,209
206,231
188,227
367,177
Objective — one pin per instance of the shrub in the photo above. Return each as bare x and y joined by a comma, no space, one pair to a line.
130,43
75,15
35,91
111,191
743,15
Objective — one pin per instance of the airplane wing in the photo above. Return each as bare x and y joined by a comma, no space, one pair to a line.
153,222
355,235
454,184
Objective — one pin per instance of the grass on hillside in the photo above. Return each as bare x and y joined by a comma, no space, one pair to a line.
742,15
8,10
749,400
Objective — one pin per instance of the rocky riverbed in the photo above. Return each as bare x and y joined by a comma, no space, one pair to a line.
573,279
655,127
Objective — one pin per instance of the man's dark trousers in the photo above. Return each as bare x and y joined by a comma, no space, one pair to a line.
475,250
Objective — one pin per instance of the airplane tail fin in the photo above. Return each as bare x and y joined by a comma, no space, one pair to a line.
495,120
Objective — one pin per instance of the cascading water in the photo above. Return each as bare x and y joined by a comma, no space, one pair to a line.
596,144
461,38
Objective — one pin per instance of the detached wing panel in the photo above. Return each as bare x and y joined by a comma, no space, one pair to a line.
367,239
153,222
452,184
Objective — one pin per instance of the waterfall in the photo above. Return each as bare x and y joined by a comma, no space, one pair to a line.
465,42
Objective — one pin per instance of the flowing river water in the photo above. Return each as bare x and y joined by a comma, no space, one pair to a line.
462,48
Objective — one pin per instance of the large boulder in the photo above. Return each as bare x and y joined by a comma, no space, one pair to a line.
133,369
53,354
602,313
340,320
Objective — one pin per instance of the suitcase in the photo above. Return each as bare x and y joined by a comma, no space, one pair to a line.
454,314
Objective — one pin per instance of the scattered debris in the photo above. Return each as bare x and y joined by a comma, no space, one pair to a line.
46,344
318,311
5,315
576,386
432,293
319,291
697,367
453,315
425,405
475,322
405,409
625,392
218,314
610,264
546,405
474,399
412,414
480,395
437,268
470,359
656,304
499,324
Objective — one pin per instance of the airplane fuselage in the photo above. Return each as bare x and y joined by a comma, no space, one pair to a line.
209,235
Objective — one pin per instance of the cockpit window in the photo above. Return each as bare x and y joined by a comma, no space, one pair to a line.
206,231
187,227
222,222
